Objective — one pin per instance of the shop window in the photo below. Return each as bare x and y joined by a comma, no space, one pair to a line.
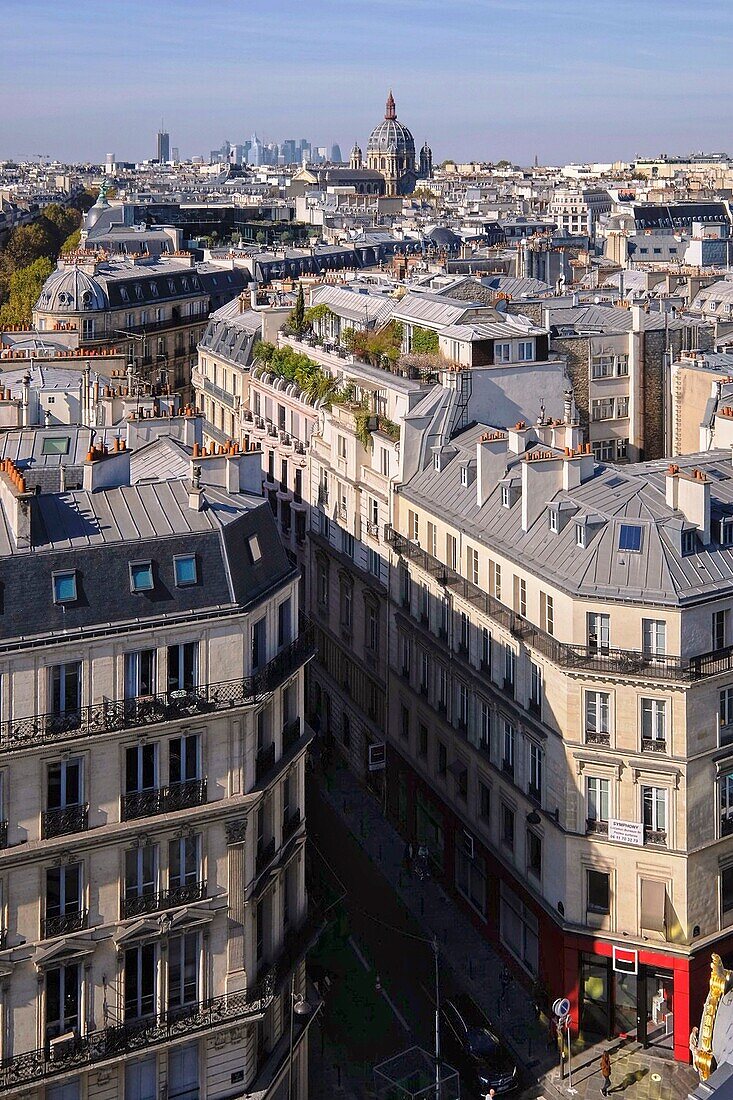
518,929
470,874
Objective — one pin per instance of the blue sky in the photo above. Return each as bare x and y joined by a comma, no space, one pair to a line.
563,79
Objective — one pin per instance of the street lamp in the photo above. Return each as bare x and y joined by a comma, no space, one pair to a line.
301,1007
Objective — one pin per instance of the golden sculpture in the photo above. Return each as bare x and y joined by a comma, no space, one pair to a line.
701,1040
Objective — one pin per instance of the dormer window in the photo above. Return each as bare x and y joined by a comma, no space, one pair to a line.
506,496
436,461
64,586
689,541
554,521
580,535
464,475
629,538
141,576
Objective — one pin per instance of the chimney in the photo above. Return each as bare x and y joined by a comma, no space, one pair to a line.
637,319
542,478
490,461
195,492
518,436
690,495
26,391
252,296
105,469
17,503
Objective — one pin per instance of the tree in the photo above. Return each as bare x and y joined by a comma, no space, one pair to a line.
62,220
71,243
25,287
260,237
26,244
297,317
424,340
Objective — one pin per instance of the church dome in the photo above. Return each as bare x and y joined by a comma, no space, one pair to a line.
390,136
71,290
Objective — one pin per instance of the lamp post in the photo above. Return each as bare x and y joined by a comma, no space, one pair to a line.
300,1006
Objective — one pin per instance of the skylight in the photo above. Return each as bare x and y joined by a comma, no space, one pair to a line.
185,568
629,538
141,576
56,445
64,587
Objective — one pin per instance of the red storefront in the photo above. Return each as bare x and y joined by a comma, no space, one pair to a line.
615,987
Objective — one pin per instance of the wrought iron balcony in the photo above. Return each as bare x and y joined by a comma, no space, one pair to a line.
60,924
107,1044
653,744
597,737
111,715
264,762
135,905
657,837
596,825
65,819
624,662
163,800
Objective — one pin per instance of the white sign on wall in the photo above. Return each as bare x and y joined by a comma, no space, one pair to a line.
629,832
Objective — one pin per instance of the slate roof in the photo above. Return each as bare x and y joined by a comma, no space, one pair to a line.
231,334
355,305
634,494
438,309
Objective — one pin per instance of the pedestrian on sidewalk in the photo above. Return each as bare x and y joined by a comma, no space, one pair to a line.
606,1072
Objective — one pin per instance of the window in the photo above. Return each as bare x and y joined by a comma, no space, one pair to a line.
536,761
726,708
141,877
473,565
599,632
521,597
66,690
139,673
183,970
485,731
502,353
141,767
720,629
259,644
347,543
726,889
598,891
507,827
422,740
653,720
485,649
726,532
484,802
432,539
507,761
413,525
182,666
322,584
64,587
554,520
534,854
580,535
597,717
654,636
495,579
622,407
404,722
185,570
451,551
510,668
654,805
62,1000
384,461
518,929
465,632
64,784
140,981
547,613
253,544
506,496
629,538
725,787
535,687
424,671
141,576
183,758
442,759
462,705
689,541
375,562
63,897
525,349
470,875
341,440
284,623
597,799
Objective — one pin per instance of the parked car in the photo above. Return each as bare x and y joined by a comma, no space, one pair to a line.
471,1047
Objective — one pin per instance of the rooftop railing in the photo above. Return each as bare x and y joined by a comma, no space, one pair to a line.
624,662
111,715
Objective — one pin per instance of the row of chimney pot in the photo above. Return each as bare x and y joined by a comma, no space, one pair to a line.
94,454
12,472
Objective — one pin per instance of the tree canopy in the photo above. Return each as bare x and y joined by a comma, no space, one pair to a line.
24,286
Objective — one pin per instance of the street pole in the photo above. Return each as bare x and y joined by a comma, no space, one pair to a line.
292,1013
437,1018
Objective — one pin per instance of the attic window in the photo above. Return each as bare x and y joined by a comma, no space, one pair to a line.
64,587
630,538
184,566
436,462
254,548
506,496
726,532
580,535
464,475
55,445
124,295
554,520
141,576
689,542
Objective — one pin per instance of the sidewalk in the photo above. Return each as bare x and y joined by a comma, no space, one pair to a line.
477,968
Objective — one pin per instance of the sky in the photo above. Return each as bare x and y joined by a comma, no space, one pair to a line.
563,80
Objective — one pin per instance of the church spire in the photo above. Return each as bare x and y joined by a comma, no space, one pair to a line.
391,111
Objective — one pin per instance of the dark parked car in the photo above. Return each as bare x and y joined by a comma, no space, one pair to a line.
470,1046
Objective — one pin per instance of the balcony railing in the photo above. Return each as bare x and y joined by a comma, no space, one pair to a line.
163,800
597,737
655,836
595,825
64,820
98,1047
62,923
111,715
135,905
653,744
625,662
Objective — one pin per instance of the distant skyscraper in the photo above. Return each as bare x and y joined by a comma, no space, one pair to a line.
336,157
164,146
174,154
289,151
254,157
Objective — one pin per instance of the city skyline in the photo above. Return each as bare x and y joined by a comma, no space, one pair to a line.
598,93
